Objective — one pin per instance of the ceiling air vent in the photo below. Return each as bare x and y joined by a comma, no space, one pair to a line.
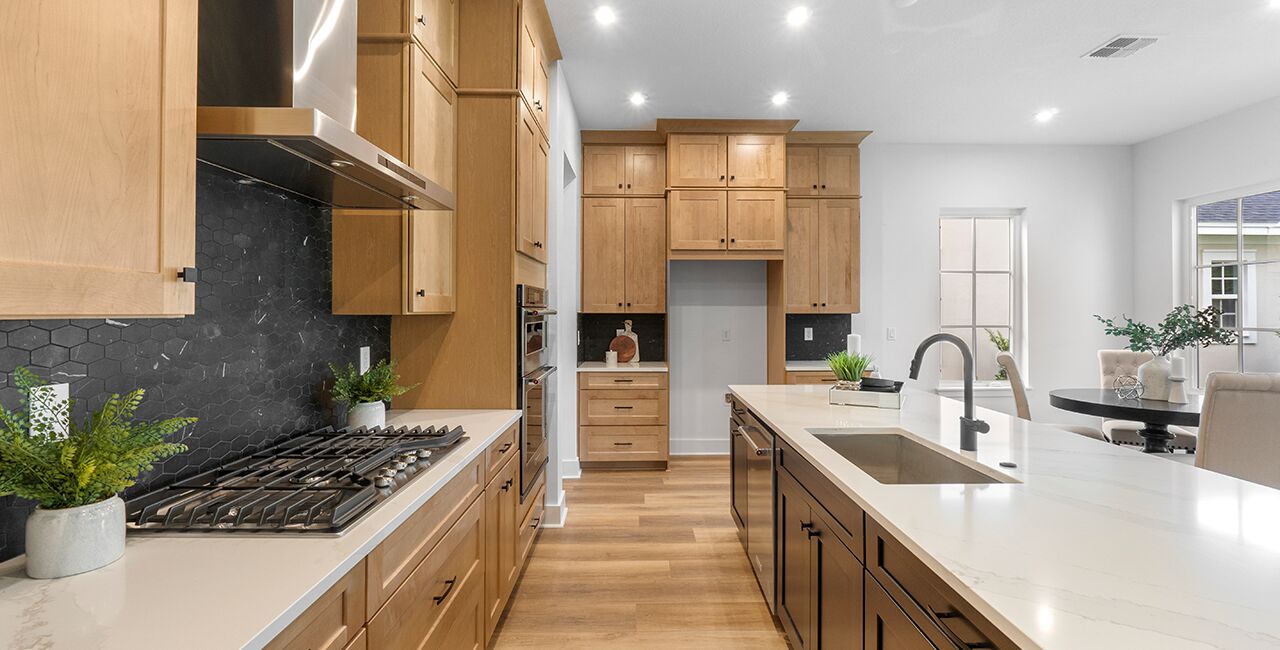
1120,47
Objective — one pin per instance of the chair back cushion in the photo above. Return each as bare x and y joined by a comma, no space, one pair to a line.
1119,363
1239,434
1015,384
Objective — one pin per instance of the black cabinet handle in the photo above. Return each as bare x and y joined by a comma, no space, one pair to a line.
628,304
622,444
619,185
422,293
504,448
824,186
623,381
619,304
448,588
535,522
815,186
730,178
824,304
806,525
507,486
623,408
813,533
722,240
733,239
628,185
815,304
189,274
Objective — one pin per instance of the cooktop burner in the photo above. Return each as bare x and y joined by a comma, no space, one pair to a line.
320,482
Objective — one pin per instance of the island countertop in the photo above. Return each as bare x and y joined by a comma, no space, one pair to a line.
1097,546
219,591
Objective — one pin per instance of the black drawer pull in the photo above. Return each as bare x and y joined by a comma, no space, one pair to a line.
535,522
942,616
622,444
507,486
448,588
623,381
948,614
623,408
806,525
504,448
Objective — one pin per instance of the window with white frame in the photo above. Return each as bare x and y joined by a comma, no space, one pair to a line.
980,288
1234,258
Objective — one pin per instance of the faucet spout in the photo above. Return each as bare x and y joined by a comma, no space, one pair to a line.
969,426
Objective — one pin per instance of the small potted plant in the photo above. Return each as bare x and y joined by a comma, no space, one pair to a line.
1181,328
848,369
74,472
366,394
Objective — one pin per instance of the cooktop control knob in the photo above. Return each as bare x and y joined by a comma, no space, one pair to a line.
382,482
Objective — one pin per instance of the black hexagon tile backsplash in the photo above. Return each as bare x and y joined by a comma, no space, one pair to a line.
251,363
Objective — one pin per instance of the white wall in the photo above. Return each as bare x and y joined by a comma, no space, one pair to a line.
1235,150
703,300
564,167
1079,249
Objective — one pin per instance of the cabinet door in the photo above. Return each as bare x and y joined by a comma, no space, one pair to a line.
541,81
757,161
540,225
334,619
603,255
795,573
757,220
431,271
501,542
435,25
802,295
696,160
697,220
528,141
99,139
646,170
838,171
838,256
604,170
528,59
432,132
837,576
802,171
646,258
885,625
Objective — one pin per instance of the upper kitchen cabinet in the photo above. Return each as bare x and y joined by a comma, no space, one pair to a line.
533,68
99,135
433,24
823,256
531,187
392,262
823,170
698,220
624,170
624,258
697,160
757,220
757,161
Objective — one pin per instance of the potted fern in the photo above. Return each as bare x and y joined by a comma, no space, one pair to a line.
366,394
74,471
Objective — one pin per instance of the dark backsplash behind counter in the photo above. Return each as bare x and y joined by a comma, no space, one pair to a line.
830,334
249,364
595,331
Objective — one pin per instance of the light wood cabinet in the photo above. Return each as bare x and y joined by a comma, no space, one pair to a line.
332,622
531,188
99,135
646,256
698,220
823,266
500,451
620,380
811,377
623,418
823,170
757,160
533,72
502,551
531,522
634,170
370,278
624,260
623,407
433,25
646,170
697,160
757,220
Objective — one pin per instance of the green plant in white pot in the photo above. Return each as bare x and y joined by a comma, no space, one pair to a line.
74,471
366,394
848,369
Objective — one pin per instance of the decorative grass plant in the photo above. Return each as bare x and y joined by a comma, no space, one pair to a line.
848,367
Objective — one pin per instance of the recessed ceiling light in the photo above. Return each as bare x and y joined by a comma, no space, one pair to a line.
798,16
637,99
1274,4
780,98
1046,115
605,15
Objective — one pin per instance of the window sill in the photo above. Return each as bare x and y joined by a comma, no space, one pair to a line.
988,389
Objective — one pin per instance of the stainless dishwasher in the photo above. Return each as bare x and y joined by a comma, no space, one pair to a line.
758,456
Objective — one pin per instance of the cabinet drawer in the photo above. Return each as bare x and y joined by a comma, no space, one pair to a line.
885,625
845,513
499,452
534,498
622,407
334,620
654,380
361,642
624,443
530,524
442,597
817,377
395,558
937,609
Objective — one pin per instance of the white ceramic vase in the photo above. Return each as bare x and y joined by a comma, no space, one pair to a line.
367,415
1154,376
68,541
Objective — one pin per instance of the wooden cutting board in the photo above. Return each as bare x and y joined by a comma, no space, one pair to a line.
625,346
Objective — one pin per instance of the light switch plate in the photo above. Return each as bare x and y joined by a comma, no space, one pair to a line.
49,404
891,333
724,336
364,359
808,333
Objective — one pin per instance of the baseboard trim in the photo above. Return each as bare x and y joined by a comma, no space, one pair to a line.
555,514
572,469
700,447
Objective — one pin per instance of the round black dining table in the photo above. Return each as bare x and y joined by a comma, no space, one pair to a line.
1155,415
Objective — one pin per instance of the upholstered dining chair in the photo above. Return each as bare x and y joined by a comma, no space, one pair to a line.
1238,433
1024,407
1120,363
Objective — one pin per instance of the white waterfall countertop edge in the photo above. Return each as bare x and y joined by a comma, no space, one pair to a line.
215,591
643,366
1098,546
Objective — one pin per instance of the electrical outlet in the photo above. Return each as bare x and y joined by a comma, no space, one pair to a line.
891,333
364,359
724,336
49,405
808,333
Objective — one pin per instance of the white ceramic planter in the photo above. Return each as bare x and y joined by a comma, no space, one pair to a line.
1154,376
74,540
367,415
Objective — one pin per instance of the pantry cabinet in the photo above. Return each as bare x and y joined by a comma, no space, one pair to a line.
823,170
823,256
99,138
624,170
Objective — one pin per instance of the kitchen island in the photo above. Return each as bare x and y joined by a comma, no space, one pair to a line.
1081,544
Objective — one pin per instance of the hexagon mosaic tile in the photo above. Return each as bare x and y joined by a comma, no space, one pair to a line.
251,362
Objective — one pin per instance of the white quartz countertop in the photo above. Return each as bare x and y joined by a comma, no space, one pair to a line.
212,591
1098,546
643,366
807,366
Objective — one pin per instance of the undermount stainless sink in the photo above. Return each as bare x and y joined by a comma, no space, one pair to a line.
892,456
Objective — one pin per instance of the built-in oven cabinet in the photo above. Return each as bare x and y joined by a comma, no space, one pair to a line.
622,419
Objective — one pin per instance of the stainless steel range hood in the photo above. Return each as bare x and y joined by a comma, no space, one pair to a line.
277,96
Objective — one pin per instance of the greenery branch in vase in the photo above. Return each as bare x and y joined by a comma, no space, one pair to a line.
1002,345
1181,328
367,393
74,472
848,369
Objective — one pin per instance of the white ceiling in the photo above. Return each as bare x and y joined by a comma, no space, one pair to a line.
931,71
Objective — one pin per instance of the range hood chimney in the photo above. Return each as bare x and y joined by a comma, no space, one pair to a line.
277,104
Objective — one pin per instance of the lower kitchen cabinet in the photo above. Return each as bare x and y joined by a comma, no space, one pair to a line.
623,418
334,622
811,377
502,552
886,626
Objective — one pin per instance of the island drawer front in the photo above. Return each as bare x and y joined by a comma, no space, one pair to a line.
839,506
622,407
442,599
936,608
638,380
885,625
502,450
624,443
391,562
335,619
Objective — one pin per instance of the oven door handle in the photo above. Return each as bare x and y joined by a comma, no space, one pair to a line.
538,312
539,375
